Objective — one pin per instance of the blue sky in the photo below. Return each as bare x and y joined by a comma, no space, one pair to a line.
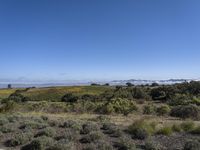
56,40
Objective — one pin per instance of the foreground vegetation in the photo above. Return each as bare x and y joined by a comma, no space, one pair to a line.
149,117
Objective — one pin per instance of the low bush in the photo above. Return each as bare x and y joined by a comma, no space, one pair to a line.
187,126
163,110
71,124
192,145
189,111
92,137
125,143
89,127
40,143
69,134
7,128
176,128
141,129
33,125
180,99
101,145
165,131
149,109
62,146
49,131
111,129
119,105
69,97
19,139
150,145
196,131
3,121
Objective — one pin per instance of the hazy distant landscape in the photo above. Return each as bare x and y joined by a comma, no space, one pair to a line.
114,82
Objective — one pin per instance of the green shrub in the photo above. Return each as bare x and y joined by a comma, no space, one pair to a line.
89,127
40,143
176,128
141,129
165,131
92,137
33,125
7,128
125,143
49,131
163,110
63,146
69,134
196,130
149,109
187,126
20,139
101,145
111,129
8,106
102,118
45,118
69,97
119,105
3,121
71,124
189,111
150,145
180,99
192,145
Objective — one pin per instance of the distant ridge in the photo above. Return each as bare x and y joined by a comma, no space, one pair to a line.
114,82
140,81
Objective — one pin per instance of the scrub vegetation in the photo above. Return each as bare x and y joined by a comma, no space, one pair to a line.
103,117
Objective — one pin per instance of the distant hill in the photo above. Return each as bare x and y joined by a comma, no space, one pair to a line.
114,82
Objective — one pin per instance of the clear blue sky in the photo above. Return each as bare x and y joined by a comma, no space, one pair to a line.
99,39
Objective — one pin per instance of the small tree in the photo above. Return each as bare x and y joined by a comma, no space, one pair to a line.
129,84
69,97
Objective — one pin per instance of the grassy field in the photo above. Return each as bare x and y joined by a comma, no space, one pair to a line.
55,93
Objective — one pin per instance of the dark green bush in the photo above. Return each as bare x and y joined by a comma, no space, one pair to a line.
71,124
119,105
176,128
192,145
151,145
187,126
180,99
7,128
62,146
89,127
69,97
163,110
196,131
33,125
149,109
40,143
189,111
165,131
101,145
141,129
125,143
49,131
20,139
112,130
3,121
92,137
69,134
